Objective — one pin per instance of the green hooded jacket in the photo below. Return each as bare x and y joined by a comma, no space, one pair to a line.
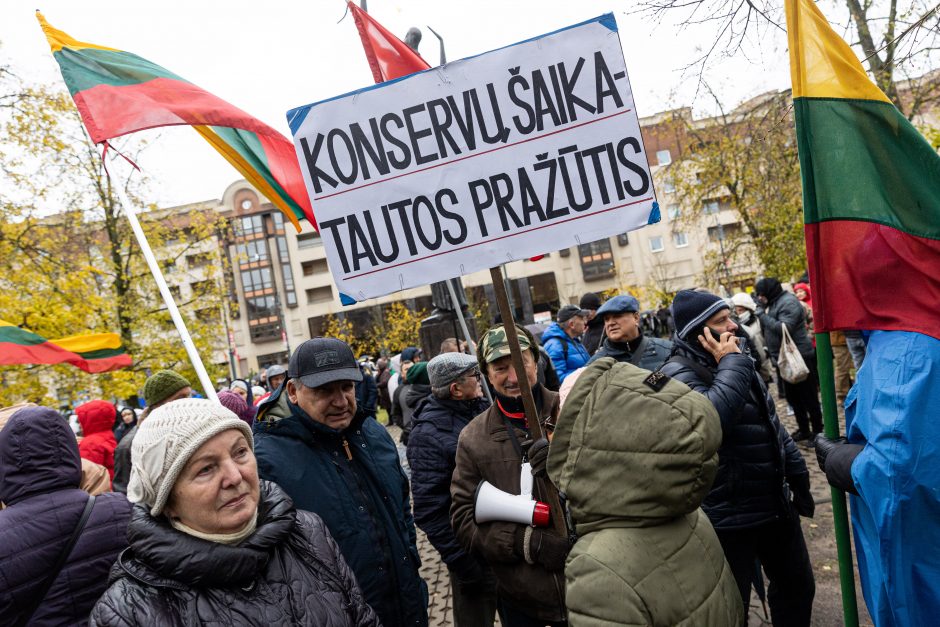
635,463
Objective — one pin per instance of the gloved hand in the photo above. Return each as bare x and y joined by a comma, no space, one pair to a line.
545,548
468,569
824,446
537,452
803,501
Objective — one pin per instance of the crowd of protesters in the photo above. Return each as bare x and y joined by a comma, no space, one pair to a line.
286,503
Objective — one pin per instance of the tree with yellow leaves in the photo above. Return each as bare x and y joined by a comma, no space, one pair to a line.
69,264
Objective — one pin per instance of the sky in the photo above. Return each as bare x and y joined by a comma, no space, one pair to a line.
269,57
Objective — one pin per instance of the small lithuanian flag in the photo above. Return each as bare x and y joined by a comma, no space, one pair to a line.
94,352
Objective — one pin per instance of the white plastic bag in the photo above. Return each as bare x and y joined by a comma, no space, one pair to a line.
793,368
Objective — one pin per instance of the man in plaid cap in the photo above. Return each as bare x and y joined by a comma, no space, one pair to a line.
456,398
528,563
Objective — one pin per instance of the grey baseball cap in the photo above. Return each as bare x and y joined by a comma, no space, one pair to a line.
323,360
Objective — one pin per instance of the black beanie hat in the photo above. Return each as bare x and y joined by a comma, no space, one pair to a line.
769,287
590,301
690,310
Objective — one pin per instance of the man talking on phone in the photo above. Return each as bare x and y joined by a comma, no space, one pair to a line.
762,486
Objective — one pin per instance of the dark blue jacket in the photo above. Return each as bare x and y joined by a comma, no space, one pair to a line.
367,393
651,353
364,501
568,354
40,471
432,449
757,454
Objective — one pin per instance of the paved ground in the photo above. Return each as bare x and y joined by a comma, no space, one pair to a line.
820,539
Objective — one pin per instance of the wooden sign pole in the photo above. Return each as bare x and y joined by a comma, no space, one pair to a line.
528,401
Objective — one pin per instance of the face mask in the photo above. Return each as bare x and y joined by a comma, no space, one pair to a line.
745,317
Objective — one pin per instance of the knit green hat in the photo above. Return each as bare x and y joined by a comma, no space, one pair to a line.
162,385
418,374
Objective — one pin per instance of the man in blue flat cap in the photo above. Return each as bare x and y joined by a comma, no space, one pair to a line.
624,341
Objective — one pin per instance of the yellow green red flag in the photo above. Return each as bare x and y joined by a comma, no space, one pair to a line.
93,352
871,190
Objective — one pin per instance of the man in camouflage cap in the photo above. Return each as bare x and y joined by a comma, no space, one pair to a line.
528,563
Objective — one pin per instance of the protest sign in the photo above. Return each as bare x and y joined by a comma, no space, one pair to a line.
499,157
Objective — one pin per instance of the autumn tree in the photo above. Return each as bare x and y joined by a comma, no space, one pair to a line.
395,329
745,161
898,39
69,263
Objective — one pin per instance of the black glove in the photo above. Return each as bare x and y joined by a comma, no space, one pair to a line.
835,457
467,569
537,452
824,446
545,549
802,497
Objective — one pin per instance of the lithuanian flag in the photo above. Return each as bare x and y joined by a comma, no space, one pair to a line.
117,92
94,352
871,190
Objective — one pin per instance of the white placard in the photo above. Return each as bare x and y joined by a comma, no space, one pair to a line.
503,156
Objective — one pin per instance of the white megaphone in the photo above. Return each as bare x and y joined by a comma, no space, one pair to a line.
491,503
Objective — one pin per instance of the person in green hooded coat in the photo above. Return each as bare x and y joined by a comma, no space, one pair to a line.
635,453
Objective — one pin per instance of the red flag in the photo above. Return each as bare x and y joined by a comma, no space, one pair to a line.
389,57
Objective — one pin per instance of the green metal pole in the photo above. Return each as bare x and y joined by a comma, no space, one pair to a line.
840,516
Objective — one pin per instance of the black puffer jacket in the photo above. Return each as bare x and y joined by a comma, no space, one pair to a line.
39,475
756,454
651,352
783,308
289,572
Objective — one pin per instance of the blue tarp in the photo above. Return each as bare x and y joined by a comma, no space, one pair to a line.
894,410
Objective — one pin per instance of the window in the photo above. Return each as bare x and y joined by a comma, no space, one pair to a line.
288,277
319,294
251,252
597,260
316,266
257,279
669,186
309,240
201,288
198,260
273,358
723,231
710,207
175,293
673,211
663,157
278,220
623,239
656,244
681,240
249,225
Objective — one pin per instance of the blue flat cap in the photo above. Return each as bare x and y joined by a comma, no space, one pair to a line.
619,304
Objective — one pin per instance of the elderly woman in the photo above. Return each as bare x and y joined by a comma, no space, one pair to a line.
210,543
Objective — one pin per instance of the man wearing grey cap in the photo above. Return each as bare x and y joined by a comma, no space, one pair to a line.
624,341
562,341
342,465
456,397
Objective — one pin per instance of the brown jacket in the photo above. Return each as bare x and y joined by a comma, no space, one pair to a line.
485,452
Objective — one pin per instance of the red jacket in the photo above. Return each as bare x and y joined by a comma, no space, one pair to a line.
98,444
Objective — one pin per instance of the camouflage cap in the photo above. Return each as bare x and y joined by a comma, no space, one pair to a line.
495,344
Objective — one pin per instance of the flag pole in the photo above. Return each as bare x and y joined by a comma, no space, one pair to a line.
131,213
840,518
466,331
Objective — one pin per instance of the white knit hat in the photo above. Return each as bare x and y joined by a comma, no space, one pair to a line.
743,300
167,439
